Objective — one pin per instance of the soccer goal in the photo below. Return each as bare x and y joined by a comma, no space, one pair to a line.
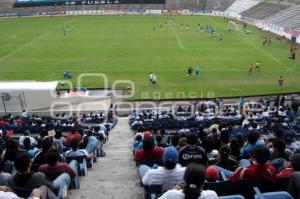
233,26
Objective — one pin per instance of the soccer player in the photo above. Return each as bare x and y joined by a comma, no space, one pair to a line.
250,69
221,38
151,78
154,80
265,41
197,72
293,52
280,82
189,71
257,65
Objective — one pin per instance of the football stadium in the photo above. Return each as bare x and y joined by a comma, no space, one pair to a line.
145,99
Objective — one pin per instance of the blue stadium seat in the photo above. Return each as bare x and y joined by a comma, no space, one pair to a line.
272,195
232,197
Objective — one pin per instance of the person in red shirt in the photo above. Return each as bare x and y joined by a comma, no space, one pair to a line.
3,123
150,153
73,135
54,166
259,169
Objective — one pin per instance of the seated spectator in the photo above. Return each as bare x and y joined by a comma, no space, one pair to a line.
74,134
40,158
53,164
259,169
76,152
92,142
26,135
212,174
150,153
278,147
26,179
59,141
4,177
253,141
194,178
65,171
290,167
138,143
235,148
12,150
170,172
38,193
191,153
31,150
226,160
294,185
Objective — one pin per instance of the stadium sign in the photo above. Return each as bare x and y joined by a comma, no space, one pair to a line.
24,3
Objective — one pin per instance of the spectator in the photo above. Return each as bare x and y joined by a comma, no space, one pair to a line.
138,143
92,142
40,158
31,150
194,178
12,150
294,185
253,141
290,167
150,153
38,193
59,141
170,172
53,166
226,160
26,135
278,147
4,177
191,153
259,169
73,135
26,179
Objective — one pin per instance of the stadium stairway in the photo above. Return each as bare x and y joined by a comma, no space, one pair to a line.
115,175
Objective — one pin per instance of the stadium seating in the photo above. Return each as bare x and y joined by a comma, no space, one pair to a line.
240,6
286,18
263,10
218,5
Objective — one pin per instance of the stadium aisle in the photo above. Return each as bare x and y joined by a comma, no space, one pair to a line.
115,175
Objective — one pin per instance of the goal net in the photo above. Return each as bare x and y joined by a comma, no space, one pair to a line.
233,26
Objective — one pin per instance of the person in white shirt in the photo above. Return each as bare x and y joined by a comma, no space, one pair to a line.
26,134
170,172
151,78
194,178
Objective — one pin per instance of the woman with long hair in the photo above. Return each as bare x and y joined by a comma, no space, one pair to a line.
194,178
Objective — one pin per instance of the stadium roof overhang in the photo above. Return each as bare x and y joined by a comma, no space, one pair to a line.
28,85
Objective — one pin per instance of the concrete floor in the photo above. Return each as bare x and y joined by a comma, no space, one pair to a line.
115,175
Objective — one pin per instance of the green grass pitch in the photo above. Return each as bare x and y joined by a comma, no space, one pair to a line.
127,48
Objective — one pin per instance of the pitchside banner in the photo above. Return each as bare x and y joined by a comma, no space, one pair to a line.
20,3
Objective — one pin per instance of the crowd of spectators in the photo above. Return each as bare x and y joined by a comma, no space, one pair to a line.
52,153
251,140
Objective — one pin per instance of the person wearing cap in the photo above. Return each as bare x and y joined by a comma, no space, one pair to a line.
194,178
170,172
